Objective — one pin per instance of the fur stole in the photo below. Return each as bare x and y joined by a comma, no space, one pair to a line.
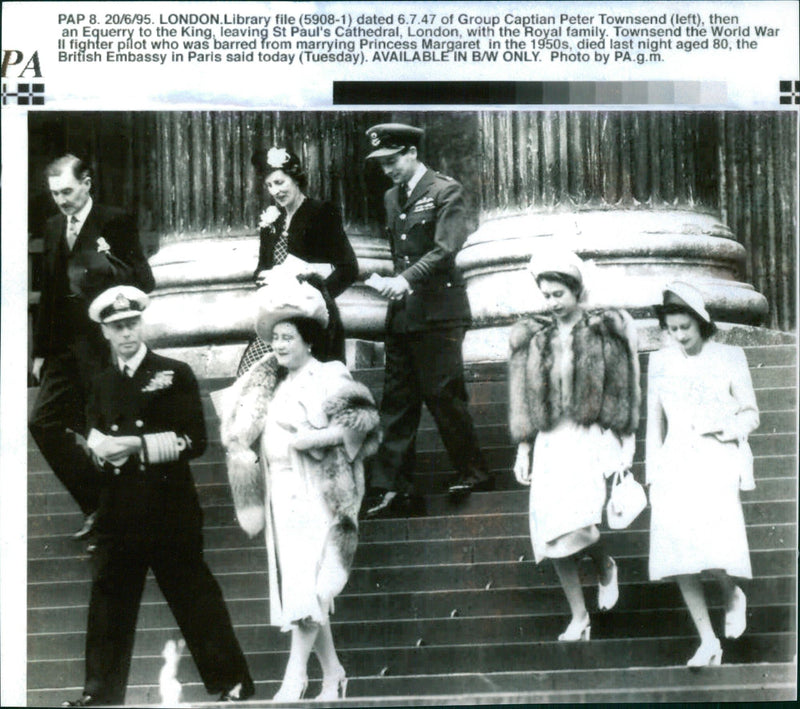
601,384
328,454
241,423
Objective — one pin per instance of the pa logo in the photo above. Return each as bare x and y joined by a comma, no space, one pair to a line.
25,90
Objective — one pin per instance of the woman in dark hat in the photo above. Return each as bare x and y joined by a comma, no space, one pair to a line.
700,410
307,229
314,425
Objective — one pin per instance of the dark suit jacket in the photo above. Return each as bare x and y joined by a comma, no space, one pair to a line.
72,280
425,233
140,498
316,235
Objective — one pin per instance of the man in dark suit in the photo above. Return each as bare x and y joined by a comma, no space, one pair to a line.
88,247
145,420
425,324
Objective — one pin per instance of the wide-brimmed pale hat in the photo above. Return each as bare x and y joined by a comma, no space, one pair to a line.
285,297
685,295
118,303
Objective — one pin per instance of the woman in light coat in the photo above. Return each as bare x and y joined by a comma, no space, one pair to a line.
700,410
314,425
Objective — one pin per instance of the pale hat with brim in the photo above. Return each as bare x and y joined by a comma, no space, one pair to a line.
390,138
283,298
118,303
685,295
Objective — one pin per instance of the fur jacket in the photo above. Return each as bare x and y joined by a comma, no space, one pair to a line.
330,453
601,384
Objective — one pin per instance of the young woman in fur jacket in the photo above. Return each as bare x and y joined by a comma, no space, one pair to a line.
314,425
574,388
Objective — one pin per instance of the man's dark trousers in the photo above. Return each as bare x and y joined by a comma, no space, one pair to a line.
424,367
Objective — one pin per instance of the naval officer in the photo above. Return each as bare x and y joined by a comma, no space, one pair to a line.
145,422
426,320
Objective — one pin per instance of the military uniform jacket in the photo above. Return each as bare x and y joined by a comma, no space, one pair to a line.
106,253
139,497
425,233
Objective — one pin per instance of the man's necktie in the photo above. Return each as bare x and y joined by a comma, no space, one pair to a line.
72,231
404,193
127,371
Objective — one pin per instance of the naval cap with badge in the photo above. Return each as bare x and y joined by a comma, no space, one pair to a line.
390,138
118,303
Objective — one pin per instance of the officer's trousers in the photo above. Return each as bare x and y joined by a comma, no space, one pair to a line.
58,421
424,367
193,595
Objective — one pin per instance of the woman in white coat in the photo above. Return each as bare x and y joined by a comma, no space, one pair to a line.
314,425
700,410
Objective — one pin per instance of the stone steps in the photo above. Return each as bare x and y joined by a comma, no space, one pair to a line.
450,608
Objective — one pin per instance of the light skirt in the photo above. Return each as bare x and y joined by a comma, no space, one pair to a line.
568,491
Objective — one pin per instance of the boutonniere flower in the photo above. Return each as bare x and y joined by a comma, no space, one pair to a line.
102,245
269,216
277,157
160,380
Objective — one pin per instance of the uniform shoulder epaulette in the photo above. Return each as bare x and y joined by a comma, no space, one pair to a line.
445,177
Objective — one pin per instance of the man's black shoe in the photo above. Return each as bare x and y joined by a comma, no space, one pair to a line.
393,505
240,692
86,530
462,489
378,504
87,700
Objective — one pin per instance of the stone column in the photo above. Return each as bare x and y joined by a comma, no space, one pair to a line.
637,193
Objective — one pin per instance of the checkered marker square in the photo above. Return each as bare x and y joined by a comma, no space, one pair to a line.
790,92
26,94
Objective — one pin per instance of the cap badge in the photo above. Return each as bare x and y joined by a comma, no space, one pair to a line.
374,139
121,303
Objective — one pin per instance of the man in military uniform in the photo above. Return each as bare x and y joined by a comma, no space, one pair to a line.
145,423
87,248
425,324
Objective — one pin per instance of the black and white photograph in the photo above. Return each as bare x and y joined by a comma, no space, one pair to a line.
399,383
410,354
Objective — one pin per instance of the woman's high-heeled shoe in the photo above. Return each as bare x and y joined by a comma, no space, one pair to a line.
333,687
736,615
577,630
292,689
608,594
709,654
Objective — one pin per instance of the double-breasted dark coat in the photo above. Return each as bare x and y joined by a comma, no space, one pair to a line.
149,517
106,253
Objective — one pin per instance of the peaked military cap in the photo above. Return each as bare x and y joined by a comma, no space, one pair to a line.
118,303
390,138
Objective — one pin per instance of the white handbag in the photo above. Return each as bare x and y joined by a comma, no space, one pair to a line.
626,501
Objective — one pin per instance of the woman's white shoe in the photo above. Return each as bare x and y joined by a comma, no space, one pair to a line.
709,654
608,594
577,630
292,689
333,687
